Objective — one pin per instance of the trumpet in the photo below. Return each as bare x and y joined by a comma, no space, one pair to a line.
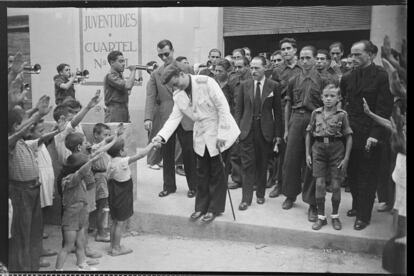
80,76
35,69
148,68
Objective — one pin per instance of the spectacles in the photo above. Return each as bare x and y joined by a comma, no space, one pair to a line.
163,54
276,60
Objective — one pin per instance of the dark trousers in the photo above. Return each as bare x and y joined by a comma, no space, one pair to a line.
294,161
276,165
117,112
168,155
211,184
386,186
254,153
25,246
235,163
394,255
363,167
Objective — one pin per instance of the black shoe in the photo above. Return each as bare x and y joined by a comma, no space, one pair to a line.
243,206
347,189
180,170
329,189
260,200
312,214
234,185
336,224
191,193
276,192
287,204
164,193
270,183
196,215
351,213
319,223
209,217
359,224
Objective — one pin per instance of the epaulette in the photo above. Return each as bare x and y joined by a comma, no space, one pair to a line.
201,79
319,109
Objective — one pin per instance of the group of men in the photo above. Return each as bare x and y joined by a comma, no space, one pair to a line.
271,105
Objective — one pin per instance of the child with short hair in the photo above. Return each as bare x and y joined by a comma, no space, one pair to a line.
120,188
74,200
100,132
328,125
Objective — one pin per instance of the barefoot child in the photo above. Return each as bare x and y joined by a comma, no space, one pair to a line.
121,191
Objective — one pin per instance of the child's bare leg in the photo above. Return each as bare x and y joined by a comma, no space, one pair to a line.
101,218
69,238
117,249
89,252
80,246
112,233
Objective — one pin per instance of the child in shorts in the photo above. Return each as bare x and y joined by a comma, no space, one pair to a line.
328,125
120,188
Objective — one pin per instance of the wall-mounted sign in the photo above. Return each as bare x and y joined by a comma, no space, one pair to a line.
104,30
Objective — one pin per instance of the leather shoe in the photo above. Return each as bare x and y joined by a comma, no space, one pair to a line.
287,204
359,224
209,217
234,185
243,206
270,183
164,193
336,224
351,213
329,188
276,192
196,215
180,170
191,193
260,200
312,214
319,224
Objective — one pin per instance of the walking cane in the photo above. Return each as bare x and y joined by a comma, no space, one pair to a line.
226,177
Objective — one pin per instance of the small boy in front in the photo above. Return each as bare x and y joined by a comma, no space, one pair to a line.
328,125
120,188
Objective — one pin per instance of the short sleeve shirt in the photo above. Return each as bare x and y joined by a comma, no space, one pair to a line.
336,124
62,151
114,88
118,169
22,161
60,93
100,164
74,189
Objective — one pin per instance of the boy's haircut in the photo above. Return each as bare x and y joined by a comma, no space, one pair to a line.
333,83
116,148
224,63
214,50
73,140
99,127
324,52
73,104
309,47
337,44
240,50
112,56
75,161
180,58
59,111
172,70
290,40
262,58
163,43
14,116
277,52
61,66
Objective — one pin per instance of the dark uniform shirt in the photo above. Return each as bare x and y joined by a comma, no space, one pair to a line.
114,88
305,91
336,124
206,72
283,75
60,93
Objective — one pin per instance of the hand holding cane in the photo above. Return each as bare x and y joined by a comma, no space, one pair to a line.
225,177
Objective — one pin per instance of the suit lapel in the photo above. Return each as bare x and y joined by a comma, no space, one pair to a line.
251,90
266,90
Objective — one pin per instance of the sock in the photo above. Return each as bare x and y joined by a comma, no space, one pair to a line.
335,206
320,203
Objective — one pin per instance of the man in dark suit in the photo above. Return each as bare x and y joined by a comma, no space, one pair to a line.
160,99
370,82
259,116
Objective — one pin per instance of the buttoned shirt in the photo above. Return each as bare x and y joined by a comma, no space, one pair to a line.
304,91
22,161
336,124
284,74
118,169
114,88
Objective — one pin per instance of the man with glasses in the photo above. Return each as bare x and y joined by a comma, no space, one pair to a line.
159,102
213,56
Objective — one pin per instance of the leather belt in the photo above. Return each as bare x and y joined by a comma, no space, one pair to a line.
327,139
28,184
257,117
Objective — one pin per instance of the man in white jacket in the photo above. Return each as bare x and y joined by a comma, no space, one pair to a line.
215,130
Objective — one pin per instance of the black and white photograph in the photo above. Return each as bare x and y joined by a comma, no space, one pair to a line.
214,137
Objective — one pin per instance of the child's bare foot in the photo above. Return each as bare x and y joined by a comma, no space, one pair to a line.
99,238
121,251
92,262
92,254
86,267
130,234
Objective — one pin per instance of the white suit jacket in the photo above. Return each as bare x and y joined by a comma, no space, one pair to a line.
210,112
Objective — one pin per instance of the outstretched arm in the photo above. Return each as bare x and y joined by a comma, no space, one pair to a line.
92,103
143,152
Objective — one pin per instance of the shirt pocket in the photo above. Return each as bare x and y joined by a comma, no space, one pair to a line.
335,127
296,95
318,127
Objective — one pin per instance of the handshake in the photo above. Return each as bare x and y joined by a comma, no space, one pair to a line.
157,141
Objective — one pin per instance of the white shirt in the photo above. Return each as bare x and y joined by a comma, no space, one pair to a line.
118,169
62,151
261,86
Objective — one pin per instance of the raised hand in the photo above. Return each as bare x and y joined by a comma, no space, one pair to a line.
61,125
95,99
366,106
43,105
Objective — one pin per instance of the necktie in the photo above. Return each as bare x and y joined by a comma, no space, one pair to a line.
257,100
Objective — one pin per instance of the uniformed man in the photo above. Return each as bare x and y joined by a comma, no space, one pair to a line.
323,62
64,80
215,130
370,82
302,97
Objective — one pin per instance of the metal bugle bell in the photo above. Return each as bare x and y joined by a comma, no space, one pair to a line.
81,76
35,69
148,68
